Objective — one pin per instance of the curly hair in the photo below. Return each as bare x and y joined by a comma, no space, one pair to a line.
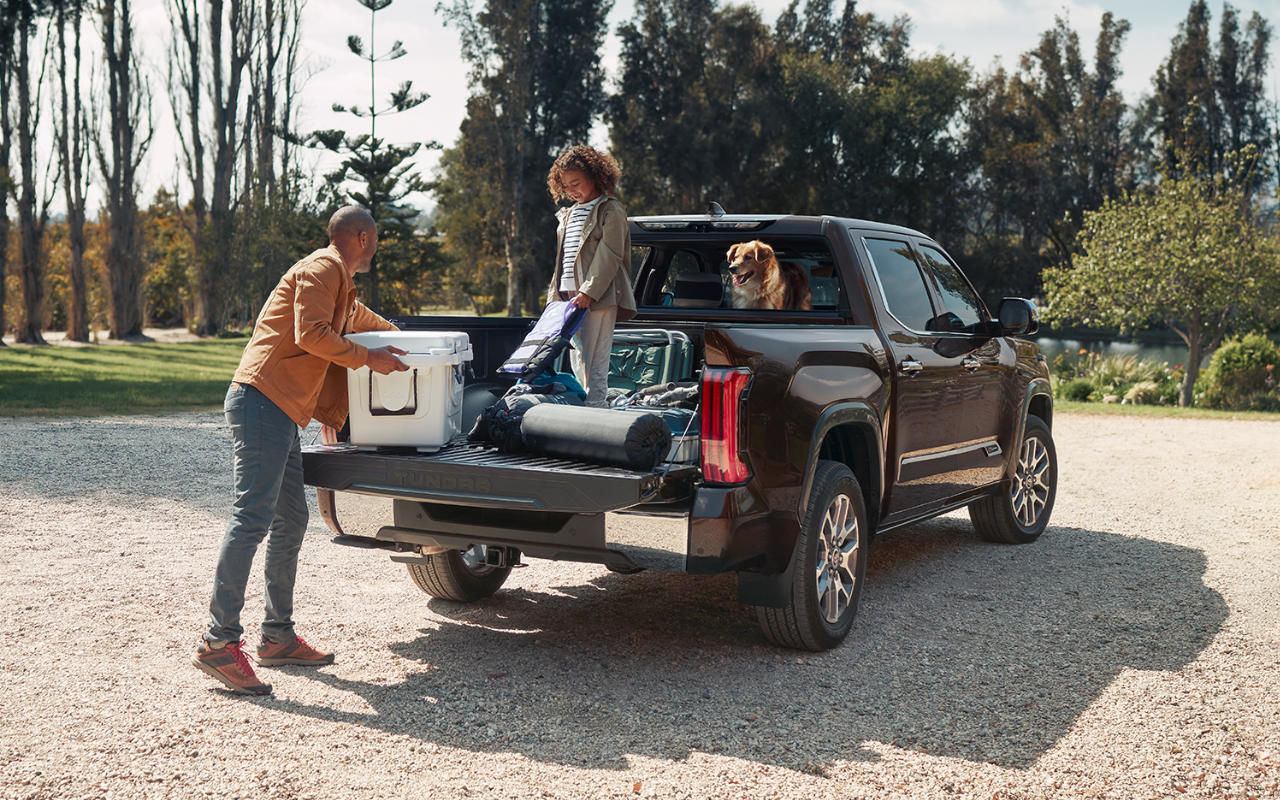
599,167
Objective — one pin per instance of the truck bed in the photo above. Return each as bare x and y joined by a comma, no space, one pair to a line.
467,474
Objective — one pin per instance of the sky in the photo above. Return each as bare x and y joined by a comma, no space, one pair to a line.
985,32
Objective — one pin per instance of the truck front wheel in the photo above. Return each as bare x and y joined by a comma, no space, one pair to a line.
459,575
1019,513
829,565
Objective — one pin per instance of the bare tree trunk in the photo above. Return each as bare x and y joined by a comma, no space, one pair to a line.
186,77
6,149
231,28
32,213
1193,337
71,132
129,134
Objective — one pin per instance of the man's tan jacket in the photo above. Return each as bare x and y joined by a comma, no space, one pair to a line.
297,356
603,267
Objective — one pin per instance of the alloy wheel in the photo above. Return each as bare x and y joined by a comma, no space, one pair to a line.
837,558
1030,490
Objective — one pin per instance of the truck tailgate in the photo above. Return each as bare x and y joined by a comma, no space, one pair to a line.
475,475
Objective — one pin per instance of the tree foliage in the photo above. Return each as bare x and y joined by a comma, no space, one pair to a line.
1189,255
536,88
1048,146
1223,85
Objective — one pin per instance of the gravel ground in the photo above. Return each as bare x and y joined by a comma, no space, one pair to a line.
1132,652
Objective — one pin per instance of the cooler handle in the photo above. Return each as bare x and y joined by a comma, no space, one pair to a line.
409,408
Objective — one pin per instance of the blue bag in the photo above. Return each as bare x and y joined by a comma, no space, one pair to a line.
550,336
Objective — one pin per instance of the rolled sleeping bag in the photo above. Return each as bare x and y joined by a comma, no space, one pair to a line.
598,435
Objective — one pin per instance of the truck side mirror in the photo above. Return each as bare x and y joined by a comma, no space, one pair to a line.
1018,317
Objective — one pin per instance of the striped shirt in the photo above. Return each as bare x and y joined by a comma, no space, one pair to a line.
573,241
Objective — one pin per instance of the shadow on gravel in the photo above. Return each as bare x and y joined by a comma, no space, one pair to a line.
961,649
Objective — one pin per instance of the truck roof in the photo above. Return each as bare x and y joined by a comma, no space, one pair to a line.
776,224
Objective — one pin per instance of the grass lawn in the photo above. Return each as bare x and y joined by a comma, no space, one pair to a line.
116,378
164,376
1117,410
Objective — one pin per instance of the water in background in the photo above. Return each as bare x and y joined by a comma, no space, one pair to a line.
1173,355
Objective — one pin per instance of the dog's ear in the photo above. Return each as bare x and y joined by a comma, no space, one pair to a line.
763,251
733,252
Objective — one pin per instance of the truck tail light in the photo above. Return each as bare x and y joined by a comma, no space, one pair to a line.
724,392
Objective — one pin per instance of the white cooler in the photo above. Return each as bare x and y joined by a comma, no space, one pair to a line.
420,407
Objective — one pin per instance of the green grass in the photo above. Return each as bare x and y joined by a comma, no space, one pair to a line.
1118,410
116,379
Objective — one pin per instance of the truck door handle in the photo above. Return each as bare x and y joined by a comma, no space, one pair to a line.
971,364
911,367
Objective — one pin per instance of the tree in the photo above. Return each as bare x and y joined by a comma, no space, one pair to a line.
71,130
384,172
127,134
693,107
1189,255
1222,87
208,62
35,190
8,24
537,83
1048,147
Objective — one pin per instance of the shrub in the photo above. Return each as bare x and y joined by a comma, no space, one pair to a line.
1146,393
1078,389
1242,375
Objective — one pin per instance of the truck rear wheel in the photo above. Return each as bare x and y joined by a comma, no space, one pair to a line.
830,563
459,575
1019,513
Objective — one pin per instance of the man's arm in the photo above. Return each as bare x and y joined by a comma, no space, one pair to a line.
314,299
365,320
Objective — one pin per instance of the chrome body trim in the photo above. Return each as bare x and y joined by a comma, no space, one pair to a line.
954,450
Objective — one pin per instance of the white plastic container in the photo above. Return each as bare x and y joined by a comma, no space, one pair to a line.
420,407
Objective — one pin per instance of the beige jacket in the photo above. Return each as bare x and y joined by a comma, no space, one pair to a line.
297,356
603,267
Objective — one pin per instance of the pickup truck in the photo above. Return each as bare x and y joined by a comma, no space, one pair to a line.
897,397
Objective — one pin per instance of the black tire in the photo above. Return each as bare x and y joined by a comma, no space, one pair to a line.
814,619
1020,511
449,576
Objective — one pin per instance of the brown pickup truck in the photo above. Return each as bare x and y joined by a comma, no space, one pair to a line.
897,397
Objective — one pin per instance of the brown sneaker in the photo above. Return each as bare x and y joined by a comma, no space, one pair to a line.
230,665
297,652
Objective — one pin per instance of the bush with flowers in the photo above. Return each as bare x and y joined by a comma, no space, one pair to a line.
1087,375
1242,376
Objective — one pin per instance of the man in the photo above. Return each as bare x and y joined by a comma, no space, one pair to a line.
293,369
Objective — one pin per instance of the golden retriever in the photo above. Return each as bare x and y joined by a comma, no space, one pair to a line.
759,281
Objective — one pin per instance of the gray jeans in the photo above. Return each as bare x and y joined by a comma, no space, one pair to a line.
269,500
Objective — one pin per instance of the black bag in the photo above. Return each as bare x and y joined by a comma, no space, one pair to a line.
500,423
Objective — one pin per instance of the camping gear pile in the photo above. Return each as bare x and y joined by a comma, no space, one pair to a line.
652,419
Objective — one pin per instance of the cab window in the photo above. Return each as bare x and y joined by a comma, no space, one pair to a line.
964,310
901,283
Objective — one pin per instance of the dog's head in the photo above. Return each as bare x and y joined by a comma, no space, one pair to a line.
748,261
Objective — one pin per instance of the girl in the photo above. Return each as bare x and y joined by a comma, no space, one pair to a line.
593,254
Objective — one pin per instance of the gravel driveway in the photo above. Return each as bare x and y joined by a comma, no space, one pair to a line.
1132,652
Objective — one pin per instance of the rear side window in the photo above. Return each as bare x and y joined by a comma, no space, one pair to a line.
695,274
901,283
964,309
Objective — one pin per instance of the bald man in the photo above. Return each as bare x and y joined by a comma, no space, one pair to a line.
292,370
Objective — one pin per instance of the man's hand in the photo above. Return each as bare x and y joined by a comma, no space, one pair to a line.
382,360
582,300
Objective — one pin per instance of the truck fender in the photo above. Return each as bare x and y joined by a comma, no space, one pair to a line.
1038,387
773,590
866,419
